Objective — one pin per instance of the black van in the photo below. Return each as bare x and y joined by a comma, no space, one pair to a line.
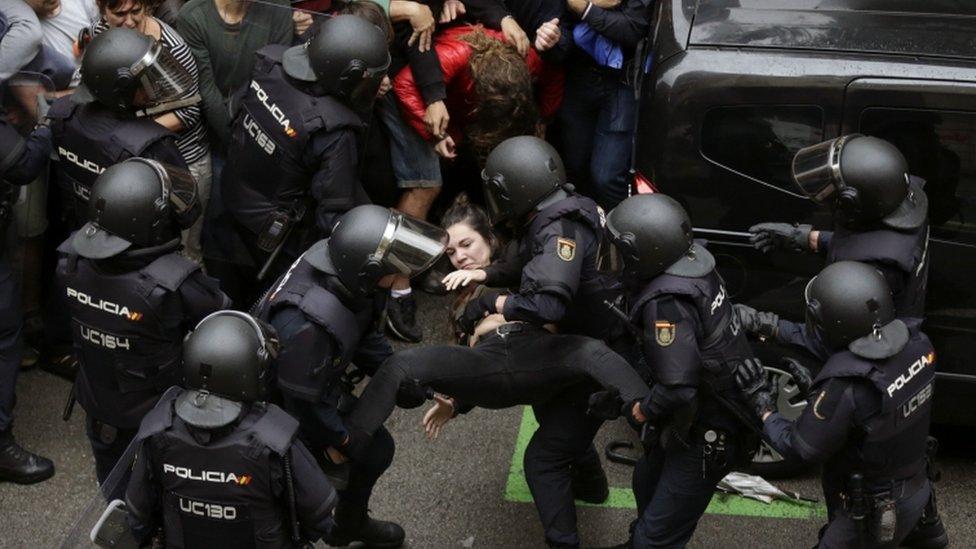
736,87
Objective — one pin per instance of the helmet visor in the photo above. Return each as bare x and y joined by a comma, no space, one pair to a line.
161,77
363,93
816,169
179,189
410,246
497,199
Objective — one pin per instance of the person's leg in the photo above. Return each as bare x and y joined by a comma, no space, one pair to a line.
201,171
613,144
679,499
352,521
418,174
607,368
577,119
16,464
565,436
108,443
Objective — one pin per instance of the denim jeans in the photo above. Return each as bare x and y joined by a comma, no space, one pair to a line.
598,120
415,163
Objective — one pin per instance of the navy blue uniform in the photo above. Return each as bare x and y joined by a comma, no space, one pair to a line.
869,417
323,330
691,344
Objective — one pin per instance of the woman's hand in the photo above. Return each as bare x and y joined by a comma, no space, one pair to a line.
462,278
452,10
438,415
436,118
515,35
547,35
446,147
422,21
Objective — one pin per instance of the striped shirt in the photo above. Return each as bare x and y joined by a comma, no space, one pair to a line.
192,140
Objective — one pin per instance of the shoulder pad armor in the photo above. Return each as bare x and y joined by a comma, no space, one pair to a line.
276,429
170,270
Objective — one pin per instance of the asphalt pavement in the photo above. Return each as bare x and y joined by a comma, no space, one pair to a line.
463,490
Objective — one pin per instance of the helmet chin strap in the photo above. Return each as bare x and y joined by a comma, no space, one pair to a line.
153,250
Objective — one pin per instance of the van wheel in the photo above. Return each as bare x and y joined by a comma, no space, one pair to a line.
767,462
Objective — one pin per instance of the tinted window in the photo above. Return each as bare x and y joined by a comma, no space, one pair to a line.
760,141
941,148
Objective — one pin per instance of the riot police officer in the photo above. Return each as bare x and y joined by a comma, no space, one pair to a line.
881,218
219,465
131,297
20,163
292,163
555,262
327,309
126,78
868,421
697,425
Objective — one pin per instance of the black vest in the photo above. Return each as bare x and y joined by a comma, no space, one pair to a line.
908,251
890,444
128,332
227,492
586,314
273,122
316,295
90,138
721,342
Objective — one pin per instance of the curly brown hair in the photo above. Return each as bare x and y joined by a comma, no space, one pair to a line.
506,100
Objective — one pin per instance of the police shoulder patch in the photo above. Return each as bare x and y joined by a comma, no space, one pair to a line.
664,332
566,248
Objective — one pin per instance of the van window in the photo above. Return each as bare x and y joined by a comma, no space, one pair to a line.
940,147
759,141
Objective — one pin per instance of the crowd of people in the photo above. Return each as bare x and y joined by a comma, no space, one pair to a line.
242,193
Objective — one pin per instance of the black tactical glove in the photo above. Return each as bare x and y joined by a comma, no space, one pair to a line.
606,405
412,394
770,236
801,375
476,309
750,376
760,323
355,445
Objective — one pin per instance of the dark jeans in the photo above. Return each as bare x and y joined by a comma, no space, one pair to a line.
598,120
554,373
528,367
672,494
11,321
364,473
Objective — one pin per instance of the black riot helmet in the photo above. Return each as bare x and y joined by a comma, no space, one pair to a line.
226,360
128,71
348,57
653,234
136,204
370,242
865,180
849,304
520,174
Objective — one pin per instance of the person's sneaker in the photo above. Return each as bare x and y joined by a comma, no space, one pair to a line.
591,486
401,318
20,466
353,524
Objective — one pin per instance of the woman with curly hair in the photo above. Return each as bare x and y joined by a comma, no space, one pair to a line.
493,93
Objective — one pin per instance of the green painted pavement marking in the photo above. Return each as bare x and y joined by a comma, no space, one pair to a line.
517,490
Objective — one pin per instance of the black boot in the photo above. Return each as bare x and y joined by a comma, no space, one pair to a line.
929,533
401,317
19,465
590,485
352,524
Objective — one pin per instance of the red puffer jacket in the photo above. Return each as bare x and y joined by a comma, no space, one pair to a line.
461,98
